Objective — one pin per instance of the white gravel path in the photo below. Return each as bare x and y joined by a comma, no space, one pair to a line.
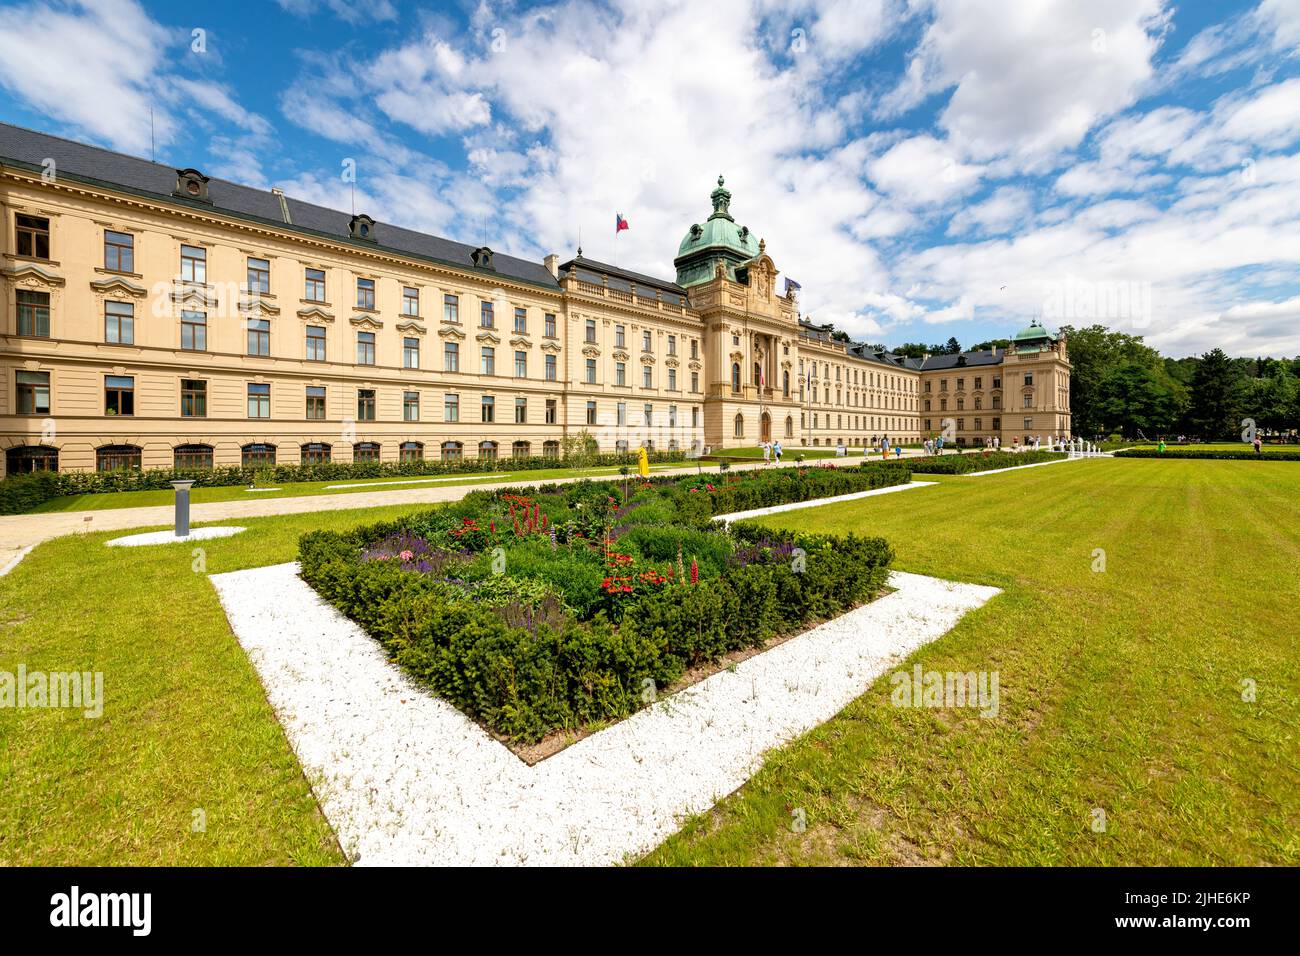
818,502
405,778
14,561
1037,464
169,537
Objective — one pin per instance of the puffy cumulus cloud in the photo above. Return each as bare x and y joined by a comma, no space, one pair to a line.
922,170
1008,208
1282,18
1031,77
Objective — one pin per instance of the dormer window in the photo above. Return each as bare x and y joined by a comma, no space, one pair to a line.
482,258
362,227
191,184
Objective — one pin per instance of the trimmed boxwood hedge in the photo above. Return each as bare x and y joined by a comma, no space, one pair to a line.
1222,454
526,671
19,492
981,461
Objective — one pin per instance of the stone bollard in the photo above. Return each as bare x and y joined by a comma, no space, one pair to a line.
182,507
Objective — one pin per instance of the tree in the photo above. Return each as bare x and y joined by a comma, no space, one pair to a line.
1216,396
952,346
990,345
579,450
1133,398
1095,351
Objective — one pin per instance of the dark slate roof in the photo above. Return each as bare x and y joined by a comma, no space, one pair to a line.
590,270
973,360
29,149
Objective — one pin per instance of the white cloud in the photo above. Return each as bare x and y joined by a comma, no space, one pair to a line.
1008,208
922,170
349,11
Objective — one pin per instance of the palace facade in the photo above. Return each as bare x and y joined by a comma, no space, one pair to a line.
153,316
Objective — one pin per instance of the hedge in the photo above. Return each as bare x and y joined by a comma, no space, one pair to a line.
985,461
1223,454
524,667
130,479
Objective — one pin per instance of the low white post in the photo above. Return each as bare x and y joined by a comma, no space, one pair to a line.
182,528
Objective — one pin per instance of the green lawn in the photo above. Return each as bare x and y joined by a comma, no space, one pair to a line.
1216,446
1119,690
140,499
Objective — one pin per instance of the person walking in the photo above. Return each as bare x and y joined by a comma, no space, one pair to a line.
767,453
776,451
1259,444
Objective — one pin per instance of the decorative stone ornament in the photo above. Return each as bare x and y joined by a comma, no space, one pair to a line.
191,184
362,227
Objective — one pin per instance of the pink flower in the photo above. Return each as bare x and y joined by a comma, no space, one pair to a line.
407,555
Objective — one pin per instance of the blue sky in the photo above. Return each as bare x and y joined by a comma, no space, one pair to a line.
924,169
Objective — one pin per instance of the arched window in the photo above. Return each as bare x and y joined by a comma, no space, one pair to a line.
487,450
315,453
735,376
551,449
739,426
191,457
789,427
785,383
521,449
410,451
451,451
26,458
257,455
116,457
365,451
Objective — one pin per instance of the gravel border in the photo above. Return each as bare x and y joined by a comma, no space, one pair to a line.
170,537
818,502
404,778
1037,464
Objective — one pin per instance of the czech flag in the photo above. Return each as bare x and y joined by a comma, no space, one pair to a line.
619,223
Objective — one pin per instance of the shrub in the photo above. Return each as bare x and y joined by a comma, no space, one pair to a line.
985,461
23,492
1224,454
558,640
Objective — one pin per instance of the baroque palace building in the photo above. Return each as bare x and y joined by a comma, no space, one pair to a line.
154,316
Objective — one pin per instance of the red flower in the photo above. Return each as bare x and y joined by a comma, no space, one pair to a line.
695,572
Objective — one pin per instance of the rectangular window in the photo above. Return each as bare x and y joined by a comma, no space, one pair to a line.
672,380
365,404
591,413
486,317
695,417
695,349
979,383
521,411
365,348
647,376
316,402
521,320
450,357
489,409
620,373
621,413
1029,378
119,395
33,235
672,345
259,400
410,300
33,313
316,343
259,275
550,368
314,285
997,381
550,326
591,371
33,393
649,412
194,264
672,416
410,352
488,360
550,411
119,251
521,364
1029,424
620,337
118,323
194,331
365,293
194,398
451,308
259,336
410,406
645,342
1029,400
591,330
451,408
695,381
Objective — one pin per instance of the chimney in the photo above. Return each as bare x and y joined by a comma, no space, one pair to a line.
995,351
552,263
925,356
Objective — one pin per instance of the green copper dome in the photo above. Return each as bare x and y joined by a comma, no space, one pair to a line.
1033,332
717,238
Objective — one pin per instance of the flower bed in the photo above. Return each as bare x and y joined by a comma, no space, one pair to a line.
1221,453
555,607
980,461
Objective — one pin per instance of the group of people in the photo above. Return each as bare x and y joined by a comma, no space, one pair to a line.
772,452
